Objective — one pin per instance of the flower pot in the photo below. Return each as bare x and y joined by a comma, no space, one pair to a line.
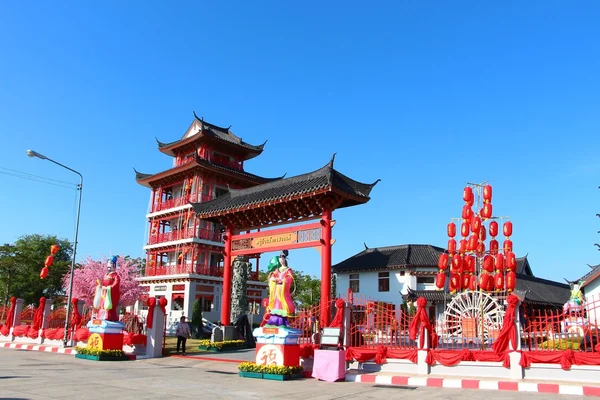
297,375
256,375
274,377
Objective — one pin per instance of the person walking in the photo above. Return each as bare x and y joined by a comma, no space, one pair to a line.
183,333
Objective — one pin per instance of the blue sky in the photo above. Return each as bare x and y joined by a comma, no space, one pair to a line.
423,95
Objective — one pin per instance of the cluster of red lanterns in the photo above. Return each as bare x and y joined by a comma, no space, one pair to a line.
496,266
49,261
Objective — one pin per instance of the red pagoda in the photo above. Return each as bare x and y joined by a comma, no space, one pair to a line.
184,259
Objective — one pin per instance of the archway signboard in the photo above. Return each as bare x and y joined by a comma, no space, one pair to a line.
311,196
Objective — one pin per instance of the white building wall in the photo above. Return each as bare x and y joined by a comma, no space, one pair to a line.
592,298
369,285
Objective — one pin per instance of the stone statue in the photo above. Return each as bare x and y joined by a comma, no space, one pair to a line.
108,294
239,295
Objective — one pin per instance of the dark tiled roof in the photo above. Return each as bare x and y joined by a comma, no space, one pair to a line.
429,295
407,255
542,291
146,179
325,179
217,132
591,275
523,266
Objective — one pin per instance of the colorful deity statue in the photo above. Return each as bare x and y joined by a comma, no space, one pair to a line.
280,281
107,295
576,301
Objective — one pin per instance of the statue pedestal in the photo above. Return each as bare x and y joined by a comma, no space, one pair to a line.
105,335
277,346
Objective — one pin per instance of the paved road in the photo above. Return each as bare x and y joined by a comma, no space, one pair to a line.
34,375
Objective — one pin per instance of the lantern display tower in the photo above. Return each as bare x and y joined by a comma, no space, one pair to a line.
475,270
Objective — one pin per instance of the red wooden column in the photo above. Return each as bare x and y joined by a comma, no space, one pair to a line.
227,275
325,267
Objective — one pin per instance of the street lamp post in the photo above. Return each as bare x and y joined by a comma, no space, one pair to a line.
32,154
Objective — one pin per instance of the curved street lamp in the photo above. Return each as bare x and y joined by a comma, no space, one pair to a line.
33,154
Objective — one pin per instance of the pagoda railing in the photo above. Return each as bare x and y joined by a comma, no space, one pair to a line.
189,268
188,233
179,201
227,162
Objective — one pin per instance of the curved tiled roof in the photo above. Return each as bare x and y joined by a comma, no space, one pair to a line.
325,179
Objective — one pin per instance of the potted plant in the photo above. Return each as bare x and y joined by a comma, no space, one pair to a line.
100,355
221,346
250,370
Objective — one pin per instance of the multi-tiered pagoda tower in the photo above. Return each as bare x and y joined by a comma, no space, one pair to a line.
184,253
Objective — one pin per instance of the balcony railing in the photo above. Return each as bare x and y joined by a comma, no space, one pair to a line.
227,163
188,233
189,268
179,201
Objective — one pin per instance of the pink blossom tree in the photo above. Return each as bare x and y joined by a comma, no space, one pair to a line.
90,271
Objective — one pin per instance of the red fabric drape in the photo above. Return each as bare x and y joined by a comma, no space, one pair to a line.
449,358
38,319
509,330
564,358
21,330
307,350
151,305
380,354
9,318
131,339
421,321
76,317
339,314
81,334
53,333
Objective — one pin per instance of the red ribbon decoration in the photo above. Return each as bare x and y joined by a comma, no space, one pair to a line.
162,303
151,305
38,319
509,330
76,318
339,314
421,321
9,318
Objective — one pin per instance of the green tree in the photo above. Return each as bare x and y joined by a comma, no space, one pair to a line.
197,319
21,263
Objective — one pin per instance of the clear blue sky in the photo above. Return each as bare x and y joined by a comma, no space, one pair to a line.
424,95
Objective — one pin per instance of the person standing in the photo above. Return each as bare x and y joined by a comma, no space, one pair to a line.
183,333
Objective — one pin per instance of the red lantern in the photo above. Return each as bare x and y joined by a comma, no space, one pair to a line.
510,261
475,224
480,248
508,246
486,211
493,246
499,282
483,281
499,262
54,249
49,261
443,262
508,229
462,246
466,278
469,264
451,246
44,273
457,264
472,282
451,229
468,194
440,280
454,282
511,281
467,213
472,243
490,284
487,193
482,234
493,229
465,228
488,263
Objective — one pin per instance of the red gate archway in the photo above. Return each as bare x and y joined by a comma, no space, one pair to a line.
311,196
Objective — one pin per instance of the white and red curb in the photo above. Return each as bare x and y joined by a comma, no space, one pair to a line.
34,347
456,383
